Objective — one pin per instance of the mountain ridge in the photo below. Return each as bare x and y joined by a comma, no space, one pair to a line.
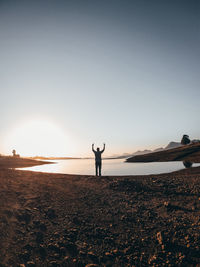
171,145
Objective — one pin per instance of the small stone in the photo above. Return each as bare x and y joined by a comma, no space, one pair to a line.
39,237
166,203
76,221
24,217
71,248
56,235
82,253
51,213
28,247
91,265
93,257
54,247
115,251
42,252
159,238
25,255
163,247
66,259
108,257
43,227
37,223
62,251
30,264
56,256
53,264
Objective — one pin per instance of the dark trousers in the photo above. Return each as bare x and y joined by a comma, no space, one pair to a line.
98,168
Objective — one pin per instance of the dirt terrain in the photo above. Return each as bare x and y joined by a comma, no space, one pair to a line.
76,220
12,162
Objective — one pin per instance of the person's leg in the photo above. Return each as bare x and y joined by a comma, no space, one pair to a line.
100,169
96,165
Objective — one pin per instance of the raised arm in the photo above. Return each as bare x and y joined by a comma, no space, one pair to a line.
93,148
103,148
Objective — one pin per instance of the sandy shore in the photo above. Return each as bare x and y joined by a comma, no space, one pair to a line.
71,220
11,162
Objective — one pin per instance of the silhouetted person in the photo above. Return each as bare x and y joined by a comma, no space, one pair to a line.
98,164
185,140
14,152
187,164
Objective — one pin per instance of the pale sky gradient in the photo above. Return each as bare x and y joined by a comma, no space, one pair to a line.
121,72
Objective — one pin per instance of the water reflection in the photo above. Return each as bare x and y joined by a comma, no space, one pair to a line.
110,167
187,164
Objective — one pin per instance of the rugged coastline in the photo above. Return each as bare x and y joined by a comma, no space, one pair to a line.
183,153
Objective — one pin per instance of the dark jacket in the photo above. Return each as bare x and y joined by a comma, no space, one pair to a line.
98,154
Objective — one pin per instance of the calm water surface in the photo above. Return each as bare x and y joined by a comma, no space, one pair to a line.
109,167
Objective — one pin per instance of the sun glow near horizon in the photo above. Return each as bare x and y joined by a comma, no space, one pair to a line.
38,137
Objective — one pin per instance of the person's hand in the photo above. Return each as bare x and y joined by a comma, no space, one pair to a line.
92,144
104,144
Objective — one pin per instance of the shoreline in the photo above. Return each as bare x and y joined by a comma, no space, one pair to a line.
49,219
11,162
189,152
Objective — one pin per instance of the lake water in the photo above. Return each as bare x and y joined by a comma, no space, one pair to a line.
109,167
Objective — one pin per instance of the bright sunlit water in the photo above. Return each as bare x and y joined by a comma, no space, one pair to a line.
109,167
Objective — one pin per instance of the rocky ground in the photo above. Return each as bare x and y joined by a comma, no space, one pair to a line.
70,220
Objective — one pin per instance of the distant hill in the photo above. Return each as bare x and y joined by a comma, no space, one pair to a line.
190,152
173,145
146,151
139,152
158,149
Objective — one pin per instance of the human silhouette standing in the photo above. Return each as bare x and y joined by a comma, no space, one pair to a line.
98,164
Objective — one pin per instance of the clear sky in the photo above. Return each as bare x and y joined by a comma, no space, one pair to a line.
73,73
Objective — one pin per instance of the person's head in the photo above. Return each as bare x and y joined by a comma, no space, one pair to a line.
97,148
